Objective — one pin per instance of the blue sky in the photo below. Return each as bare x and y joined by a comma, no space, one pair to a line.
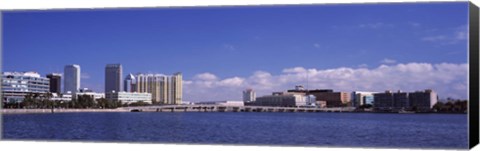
230,42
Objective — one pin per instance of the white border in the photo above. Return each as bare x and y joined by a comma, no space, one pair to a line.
10,5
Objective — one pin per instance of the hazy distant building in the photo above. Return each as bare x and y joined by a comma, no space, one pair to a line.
16,85
423,100
164,89
55,82
71,78
249,95
113,78
129,83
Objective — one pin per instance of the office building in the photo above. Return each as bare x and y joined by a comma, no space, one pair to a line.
360,98
113,78
16,85
249,95
281,99
71,80
129,83
400,100
164,89
129,97
55,82
332,99
383,101
423,100
91,94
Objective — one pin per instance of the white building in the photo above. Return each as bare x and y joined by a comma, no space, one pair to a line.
16,85
249,95
129,97
71,78
63,97
94,95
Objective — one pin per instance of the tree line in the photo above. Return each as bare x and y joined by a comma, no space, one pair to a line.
44,101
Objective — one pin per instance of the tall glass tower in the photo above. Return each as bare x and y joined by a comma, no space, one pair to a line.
72,78
113,78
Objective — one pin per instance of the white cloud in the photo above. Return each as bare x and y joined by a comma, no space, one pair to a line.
449,80
451,36
205,77
388,61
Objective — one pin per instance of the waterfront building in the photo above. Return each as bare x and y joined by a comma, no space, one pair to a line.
55,82
71,78
129,97
418,100
62,97
222,103
281,99
249,95
16,85
400,100
383,101
423,100
164,89
94,95
332,99
113,77
129,83
360,98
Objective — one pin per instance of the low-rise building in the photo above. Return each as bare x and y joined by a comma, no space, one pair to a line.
360,98
129,97
332,99
423,100
16,85
282,99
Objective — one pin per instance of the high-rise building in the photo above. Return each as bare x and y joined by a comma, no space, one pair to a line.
176,81
16,85
249,95
164,89
71,78
129,83
113,78
55,82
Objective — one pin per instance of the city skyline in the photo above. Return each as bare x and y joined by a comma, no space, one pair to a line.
267,48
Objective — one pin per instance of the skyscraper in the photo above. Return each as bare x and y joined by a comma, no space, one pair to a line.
248,95
165,89
71,78
55,82
113,78
129,84
176,81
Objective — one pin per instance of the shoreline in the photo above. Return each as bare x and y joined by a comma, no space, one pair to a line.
44,111
29,111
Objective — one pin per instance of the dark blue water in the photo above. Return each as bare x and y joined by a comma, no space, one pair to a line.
297,129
